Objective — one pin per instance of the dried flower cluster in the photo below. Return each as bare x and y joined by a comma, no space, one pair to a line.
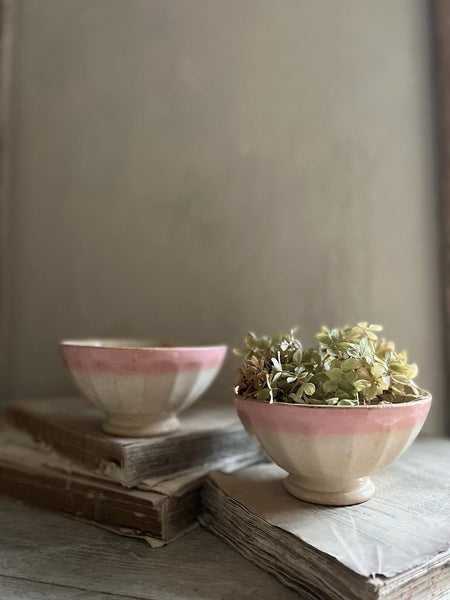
349,366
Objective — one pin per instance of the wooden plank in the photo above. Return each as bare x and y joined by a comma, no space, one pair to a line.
49,548
22,589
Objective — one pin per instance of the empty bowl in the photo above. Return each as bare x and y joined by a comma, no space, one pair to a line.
331,451
140,385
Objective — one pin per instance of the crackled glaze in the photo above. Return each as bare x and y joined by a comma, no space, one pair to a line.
330,451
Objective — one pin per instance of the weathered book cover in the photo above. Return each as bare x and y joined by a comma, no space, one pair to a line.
210,434
395,546
150,514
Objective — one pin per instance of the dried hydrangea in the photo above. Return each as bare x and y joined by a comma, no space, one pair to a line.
349,366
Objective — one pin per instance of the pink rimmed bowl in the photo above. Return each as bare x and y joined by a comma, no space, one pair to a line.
331,451
139,385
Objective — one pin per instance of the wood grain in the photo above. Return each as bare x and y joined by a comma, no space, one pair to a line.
51,549
22,589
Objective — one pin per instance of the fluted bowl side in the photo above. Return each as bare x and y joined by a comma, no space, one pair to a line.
139,385
327,446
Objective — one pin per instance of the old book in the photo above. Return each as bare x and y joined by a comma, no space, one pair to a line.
395,546
157,515
211,436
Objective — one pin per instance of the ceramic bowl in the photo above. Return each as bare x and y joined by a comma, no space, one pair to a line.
331,451
139,385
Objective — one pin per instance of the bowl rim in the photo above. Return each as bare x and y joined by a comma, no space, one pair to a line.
426,398
124,343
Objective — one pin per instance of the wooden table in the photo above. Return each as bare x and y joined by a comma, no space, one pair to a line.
47,556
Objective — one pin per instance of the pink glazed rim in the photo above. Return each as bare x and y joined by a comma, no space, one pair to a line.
137,356
319,419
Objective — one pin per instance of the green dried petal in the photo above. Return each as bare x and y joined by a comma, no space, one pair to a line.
297,357
335,374
348,364
309,389
361,384
263,394
347,402
330,386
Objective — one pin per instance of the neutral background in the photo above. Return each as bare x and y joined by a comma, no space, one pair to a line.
198,168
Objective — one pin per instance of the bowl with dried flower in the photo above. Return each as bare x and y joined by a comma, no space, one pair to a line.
141,385
331,415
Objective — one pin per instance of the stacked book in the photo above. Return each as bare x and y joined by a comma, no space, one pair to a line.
395,546
54,454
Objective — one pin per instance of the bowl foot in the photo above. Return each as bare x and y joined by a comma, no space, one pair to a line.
139,426
353,492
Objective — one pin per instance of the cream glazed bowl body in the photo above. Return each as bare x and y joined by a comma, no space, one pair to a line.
331,451
140,385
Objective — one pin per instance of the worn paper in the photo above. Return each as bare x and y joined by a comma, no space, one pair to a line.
210,437
17,445
406,523
175,484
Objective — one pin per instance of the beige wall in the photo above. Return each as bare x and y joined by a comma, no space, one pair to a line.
197,168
